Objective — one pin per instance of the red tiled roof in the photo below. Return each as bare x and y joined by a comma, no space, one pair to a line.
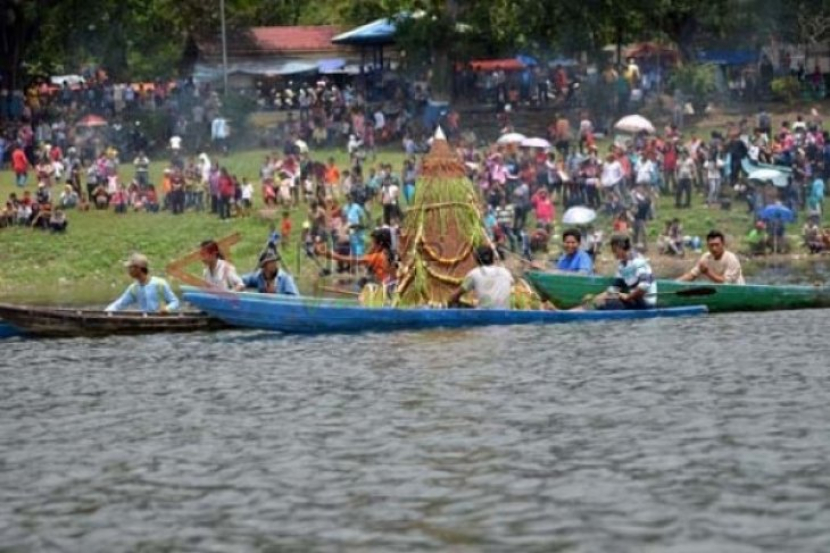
296,39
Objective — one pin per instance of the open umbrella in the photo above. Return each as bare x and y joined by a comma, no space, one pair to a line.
536,143
777,216
92,121
511,138
579,216
634,124
777,212
777,178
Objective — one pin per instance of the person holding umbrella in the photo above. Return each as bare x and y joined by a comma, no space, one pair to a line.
776,216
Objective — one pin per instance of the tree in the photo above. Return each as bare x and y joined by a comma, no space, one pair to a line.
20,27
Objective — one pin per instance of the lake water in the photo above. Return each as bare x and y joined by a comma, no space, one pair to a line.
690,435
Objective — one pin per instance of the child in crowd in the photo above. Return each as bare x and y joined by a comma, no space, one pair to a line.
285,228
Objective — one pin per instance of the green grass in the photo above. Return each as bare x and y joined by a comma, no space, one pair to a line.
84,265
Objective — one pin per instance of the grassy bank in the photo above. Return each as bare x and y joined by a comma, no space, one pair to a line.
84,265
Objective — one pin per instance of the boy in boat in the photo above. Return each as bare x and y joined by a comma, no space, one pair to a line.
574,259
151,294
718,265
492,285
270,278
218,273
634,285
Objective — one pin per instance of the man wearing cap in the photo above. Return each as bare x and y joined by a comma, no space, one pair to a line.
270,279
151,294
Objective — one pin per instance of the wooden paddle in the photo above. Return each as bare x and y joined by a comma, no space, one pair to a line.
335,290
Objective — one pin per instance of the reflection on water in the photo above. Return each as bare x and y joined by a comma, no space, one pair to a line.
670,435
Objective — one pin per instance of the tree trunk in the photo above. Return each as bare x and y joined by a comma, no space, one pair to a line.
619,33
442,69
441,82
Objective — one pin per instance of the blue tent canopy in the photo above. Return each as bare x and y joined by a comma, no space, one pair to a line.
377,33
331,65
527,60
728,57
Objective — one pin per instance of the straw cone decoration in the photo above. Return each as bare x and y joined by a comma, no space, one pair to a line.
440,232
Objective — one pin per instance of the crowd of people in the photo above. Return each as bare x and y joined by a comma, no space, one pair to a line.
521,189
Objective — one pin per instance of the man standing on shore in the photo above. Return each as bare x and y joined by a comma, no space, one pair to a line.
718,265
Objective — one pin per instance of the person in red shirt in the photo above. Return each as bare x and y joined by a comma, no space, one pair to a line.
226,193
177,192
151,200
20,166
285,228
55,153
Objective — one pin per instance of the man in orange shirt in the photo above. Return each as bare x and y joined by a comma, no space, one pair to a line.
20,165
332,177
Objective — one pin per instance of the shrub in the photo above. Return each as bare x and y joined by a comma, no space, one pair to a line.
785,88
697,81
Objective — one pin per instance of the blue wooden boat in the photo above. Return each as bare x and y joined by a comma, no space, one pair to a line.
320,315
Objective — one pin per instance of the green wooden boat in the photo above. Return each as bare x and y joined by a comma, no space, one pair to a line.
567,291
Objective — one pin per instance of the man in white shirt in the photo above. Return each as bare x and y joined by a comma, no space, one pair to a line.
612,174
247,193
492,285
645,172
219,132
389,199
380,120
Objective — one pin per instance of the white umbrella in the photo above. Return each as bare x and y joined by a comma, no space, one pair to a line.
511,138
536,143
302,146
579,216
777,178
634,124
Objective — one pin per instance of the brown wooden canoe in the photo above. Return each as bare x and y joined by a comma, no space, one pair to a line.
68,322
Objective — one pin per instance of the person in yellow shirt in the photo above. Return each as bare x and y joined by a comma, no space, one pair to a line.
632,73
718,265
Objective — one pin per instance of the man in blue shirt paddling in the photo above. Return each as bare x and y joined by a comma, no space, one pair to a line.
152,294
575,259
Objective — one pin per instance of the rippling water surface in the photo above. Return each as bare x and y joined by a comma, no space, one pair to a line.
705,435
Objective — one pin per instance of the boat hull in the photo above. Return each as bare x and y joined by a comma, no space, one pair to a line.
567,291
312,316
8,331
62,322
